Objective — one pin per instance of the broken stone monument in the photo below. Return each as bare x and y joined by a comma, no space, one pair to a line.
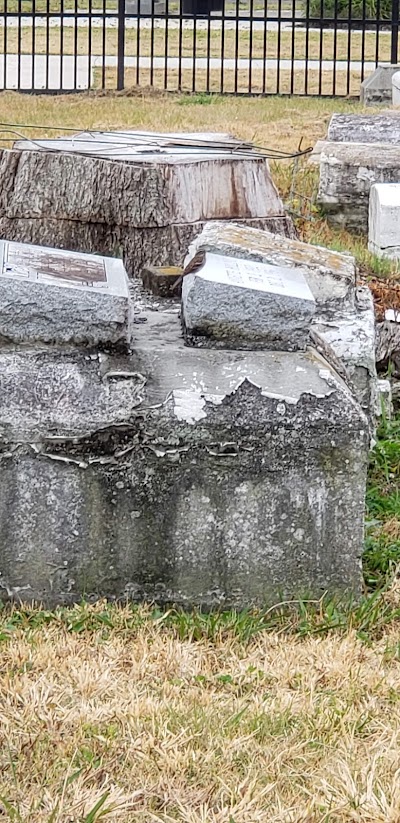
53,296
365,128
376,89
384,220
347,172
240,303
145,196
344,318
173,473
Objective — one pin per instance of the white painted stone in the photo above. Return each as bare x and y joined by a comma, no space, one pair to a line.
384,220
62,297
396,89
384,398
240,303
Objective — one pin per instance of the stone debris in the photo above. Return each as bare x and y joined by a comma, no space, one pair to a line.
62,297
347,172
384,220
245,304
344,316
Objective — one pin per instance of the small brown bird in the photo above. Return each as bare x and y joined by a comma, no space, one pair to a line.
194,264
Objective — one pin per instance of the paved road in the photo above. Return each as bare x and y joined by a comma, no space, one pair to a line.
69,72
145,23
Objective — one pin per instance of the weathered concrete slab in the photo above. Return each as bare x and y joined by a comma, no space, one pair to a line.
365,128
351,334
332,280
384,220
55,296
240,303
144,197
347,172
179,475
376,89
330,275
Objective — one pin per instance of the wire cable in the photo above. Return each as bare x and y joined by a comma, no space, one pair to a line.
149,142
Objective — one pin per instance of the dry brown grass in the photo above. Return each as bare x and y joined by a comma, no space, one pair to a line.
275,121
244,45
280,729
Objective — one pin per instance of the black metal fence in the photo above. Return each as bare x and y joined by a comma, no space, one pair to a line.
304,47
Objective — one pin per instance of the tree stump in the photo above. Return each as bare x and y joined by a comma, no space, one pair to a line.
143,202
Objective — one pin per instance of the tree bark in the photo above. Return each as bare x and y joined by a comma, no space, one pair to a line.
148,212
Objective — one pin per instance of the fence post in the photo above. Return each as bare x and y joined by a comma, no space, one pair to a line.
395,33
121,45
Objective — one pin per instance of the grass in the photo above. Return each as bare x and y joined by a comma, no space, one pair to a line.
197,43
286,716
138,715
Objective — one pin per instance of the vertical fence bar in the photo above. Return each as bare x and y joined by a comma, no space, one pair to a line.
19,33
363,29
138,43
76,34
5,46
208,54
33,49
223,22
251,23
121,45
321,47
180,46
265,48
349,34
152,12
335,36
307,48
194,45
236,58
46,79
62,45
394,43
378,31
103,45
166,38
293,46
90,40
278,48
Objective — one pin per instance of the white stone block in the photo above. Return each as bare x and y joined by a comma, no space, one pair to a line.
396,89
384,398
245,304
58,296
384,220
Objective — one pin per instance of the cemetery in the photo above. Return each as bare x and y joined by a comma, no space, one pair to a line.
199,460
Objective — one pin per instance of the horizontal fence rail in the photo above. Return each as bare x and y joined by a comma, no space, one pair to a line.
304,47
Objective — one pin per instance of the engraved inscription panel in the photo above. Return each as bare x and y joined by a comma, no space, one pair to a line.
46,265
